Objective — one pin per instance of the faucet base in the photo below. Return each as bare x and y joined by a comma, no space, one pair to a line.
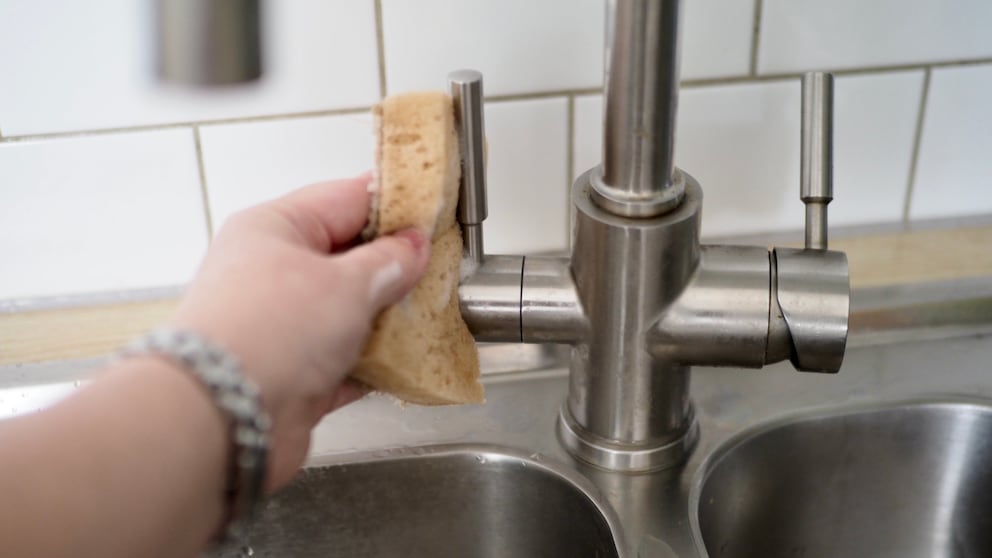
613,456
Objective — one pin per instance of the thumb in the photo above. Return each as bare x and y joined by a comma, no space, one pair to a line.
389,266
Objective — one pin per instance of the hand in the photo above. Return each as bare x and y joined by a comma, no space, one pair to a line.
285,288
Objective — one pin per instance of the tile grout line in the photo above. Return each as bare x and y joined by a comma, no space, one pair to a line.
917,141
380,41
739,79
689,84
201,169
755,39
543,94
189,124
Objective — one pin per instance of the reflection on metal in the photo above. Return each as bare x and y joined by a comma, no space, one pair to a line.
846,484
463,500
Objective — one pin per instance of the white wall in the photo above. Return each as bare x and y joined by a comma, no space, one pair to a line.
110,182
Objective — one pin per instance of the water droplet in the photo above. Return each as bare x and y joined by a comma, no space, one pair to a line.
480,458
537,457
247,551
76,383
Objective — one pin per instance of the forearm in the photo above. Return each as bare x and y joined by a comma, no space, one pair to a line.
133,465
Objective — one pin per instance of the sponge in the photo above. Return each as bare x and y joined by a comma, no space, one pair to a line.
420,350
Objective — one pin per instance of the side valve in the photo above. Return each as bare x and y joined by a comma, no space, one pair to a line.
810,302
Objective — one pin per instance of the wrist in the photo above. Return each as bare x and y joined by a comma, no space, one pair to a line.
235,397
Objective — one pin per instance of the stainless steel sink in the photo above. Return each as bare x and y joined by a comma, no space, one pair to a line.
899,480
457,500
861,476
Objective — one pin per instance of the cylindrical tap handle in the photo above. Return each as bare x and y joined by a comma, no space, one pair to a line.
466,91
816,170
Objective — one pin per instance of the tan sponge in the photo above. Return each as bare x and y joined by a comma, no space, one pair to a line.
420,350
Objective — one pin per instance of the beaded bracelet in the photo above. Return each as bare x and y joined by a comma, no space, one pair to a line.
238,398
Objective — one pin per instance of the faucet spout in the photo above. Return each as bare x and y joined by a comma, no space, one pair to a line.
641,99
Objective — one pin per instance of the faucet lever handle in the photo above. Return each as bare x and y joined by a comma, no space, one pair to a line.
466,92
816,169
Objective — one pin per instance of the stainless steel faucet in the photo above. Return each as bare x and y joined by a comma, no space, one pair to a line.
640,299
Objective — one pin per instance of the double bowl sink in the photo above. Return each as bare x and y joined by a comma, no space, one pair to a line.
892,457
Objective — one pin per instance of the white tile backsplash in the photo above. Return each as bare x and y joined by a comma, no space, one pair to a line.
874,128
247,163
123,210
519,45
716,40
99,213
69,65
528,176
954,173
742,143
802,34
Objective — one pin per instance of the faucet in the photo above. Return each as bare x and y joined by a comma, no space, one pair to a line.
640,299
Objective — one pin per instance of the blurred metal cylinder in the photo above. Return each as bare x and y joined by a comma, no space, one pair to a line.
209,42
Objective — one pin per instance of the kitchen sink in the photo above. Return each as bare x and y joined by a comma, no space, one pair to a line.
898,480
456,500
891,457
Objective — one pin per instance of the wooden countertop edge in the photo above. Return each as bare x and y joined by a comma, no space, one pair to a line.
91,331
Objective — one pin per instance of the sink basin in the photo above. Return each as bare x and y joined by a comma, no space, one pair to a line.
463,501
907,480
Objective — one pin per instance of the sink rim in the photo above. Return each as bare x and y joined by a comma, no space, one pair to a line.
490,453
729,444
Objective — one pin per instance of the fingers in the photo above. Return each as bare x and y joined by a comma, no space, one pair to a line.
327,214
389,266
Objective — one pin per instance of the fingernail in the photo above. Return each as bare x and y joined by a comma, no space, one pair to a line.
414,237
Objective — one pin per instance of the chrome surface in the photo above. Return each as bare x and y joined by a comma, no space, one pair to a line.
466,92
640,300
817,155
722,317
641,100
550,310
466,500
209,42
905,480
626,271
817,325
489,298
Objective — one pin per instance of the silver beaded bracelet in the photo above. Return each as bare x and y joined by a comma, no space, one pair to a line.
239,399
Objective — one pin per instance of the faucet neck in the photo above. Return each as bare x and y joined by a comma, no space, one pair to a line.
640,97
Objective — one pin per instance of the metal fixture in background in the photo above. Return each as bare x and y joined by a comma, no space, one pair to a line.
208,42
640,299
